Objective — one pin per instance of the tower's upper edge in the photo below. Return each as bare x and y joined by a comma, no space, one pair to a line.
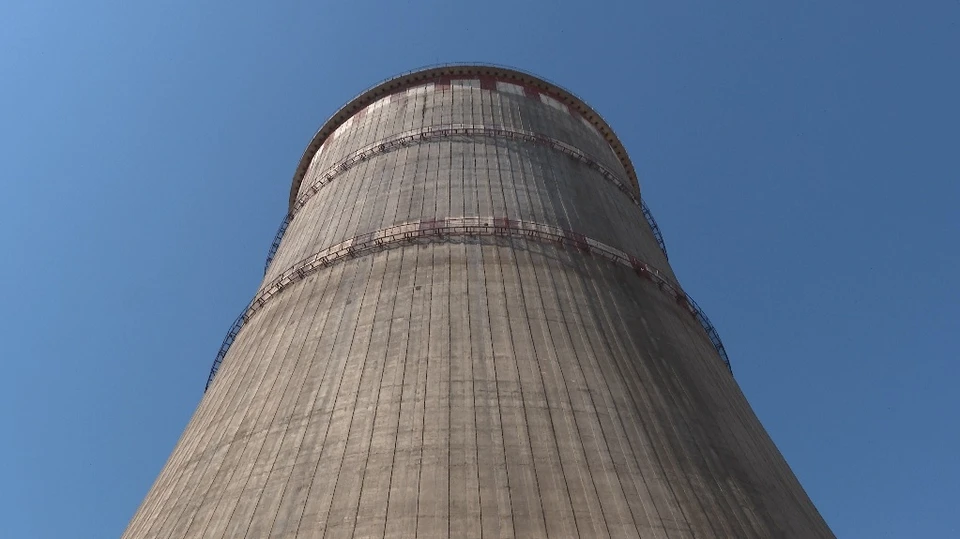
426,75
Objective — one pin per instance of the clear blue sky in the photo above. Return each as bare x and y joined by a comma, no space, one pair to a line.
802,158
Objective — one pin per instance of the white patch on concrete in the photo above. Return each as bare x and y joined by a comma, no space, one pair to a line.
420,90
465,83
343,127
587,123
378,103
509,88
549,101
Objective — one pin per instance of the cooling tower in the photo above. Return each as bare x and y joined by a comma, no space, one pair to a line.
470,329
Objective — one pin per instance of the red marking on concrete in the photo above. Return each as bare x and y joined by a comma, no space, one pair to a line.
488,83
578,240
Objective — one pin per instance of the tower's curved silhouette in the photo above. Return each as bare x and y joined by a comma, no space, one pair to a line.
470,330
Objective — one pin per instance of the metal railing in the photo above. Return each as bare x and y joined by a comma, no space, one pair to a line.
653,226
464,227
276,241
225,347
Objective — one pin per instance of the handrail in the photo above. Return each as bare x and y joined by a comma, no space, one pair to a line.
653,226
276,241
225,347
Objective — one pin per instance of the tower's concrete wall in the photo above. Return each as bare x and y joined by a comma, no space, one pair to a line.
471,384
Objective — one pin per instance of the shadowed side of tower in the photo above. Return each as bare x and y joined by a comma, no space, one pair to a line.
470,330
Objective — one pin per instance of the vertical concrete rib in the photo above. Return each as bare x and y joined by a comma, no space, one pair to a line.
481,381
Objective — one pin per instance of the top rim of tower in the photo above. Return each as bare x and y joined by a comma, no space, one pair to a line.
423,75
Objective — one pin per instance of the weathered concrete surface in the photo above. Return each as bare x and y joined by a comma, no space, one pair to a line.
473,387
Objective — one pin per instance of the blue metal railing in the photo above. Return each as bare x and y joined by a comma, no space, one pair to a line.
653,226
225,346
276,241
238,323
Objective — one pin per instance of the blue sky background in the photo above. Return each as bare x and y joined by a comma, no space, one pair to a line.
801,158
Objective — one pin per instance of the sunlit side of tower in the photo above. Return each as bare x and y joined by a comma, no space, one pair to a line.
470,329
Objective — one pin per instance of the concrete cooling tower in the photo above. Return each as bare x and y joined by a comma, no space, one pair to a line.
470,329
